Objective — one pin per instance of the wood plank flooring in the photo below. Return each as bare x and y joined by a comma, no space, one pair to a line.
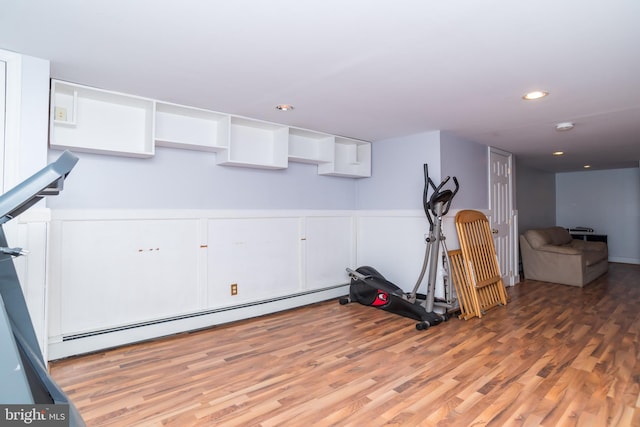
554,356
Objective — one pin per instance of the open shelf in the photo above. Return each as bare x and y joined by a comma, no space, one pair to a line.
190,128
253,143
352,158
104,122
306,146
97,121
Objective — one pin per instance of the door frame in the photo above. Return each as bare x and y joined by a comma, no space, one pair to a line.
10,151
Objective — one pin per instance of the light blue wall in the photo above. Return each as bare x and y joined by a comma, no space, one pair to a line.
467,161
184,179
607,201
535,198
397,179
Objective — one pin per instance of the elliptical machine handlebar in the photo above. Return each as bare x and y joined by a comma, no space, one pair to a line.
450,198
438,196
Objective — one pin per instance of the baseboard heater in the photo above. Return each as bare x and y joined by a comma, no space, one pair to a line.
197,314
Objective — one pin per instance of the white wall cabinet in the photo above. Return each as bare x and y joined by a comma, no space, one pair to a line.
120,276
104,122
125,272
262,256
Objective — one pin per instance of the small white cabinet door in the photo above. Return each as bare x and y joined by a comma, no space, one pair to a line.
329,250
123,272
260,255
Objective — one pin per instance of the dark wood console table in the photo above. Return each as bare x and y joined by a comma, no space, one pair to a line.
590,237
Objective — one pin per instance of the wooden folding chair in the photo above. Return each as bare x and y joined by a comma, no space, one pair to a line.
463,290
480,261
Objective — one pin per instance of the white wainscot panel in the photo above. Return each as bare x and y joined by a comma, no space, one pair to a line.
329,250
121,272
393,245
260,255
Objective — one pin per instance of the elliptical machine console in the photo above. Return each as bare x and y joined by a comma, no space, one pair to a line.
370,288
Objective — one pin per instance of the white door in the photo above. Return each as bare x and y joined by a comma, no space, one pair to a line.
501,205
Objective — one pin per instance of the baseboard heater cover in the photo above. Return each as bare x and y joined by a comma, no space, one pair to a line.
196,314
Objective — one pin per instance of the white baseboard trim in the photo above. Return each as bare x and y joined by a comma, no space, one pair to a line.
624,260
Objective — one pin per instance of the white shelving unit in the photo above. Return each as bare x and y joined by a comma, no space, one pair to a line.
307,146
254,143
98,121
190,128
352,158
64,107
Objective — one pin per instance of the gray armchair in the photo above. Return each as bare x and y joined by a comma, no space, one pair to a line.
552,255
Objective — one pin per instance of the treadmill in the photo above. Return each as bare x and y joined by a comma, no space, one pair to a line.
28,394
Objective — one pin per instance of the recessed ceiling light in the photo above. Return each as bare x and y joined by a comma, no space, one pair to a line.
558,153
284,107
564,126
536,94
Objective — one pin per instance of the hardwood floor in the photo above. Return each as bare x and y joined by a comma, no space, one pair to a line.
554,356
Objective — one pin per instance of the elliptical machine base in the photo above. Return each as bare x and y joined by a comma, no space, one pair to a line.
370,288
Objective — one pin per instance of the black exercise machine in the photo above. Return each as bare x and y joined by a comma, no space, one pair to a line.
369,287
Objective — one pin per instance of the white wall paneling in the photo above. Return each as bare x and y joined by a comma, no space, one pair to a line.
127,271
119,276
32,232
260,255
329,249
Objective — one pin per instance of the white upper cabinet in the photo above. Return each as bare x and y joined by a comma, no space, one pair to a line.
99,121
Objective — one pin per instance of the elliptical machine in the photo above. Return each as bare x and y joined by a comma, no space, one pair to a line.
369,287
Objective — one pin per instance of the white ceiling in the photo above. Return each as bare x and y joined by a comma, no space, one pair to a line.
368,69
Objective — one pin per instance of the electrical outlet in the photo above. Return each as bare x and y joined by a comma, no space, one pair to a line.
60,114
234,289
